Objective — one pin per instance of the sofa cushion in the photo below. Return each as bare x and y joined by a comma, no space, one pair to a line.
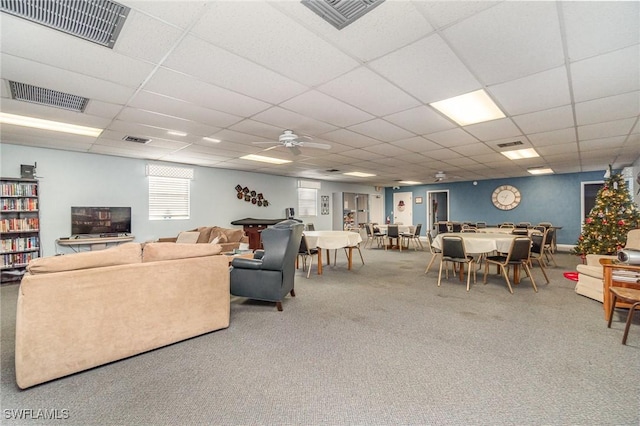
233,235
154,252
592,271
188,237
217,232
205,234
122,254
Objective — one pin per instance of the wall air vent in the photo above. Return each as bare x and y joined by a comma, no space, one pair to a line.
39,95
98,21
507,144
341,13
136,139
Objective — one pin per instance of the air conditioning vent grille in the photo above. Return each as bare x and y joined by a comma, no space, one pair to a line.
341,13
136,139
507,144
98,21
39,95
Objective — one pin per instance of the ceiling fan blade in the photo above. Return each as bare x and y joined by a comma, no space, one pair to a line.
265,143
316,145
295,150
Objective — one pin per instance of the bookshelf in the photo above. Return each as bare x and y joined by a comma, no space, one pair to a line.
19,226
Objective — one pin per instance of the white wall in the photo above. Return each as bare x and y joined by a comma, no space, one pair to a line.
79,179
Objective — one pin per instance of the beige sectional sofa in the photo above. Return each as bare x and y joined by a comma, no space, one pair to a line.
228,238
590,277
83,310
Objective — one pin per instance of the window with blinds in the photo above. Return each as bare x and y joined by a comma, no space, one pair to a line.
169,192
307,202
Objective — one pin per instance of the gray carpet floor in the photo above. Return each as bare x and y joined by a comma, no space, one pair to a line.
378,345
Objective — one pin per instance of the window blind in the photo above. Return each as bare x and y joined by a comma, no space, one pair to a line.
307,202
169,192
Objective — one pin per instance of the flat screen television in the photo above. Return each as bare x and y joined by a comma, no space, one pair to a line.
100,220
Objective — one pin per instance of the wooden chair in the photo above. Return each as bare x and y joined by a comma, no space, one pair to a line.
393,234
628,295
413,236
305,252
434,252
536,253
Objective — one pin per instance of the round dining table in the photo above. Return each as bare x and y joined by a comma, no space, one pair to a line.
333,240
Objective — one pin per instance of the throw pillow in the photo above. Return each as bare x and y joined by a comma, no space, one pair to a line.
188,237
154,252
122,254
216,240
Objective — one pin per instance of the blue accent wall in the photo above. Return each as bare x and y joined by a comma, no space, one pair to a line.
549,198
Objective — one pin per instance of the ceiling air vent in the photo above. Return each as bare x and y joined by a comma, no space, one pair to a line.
341,13
39,95
507,144
98,21
136,139
333,170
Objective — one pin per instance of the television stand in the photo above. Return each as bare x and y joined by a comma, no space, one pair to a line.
95,243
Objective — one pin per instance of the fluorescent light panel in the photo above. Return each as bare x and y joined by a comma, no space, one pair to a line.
262,158
470,108
211,140
519,154
540,171
176,133
409,182
56,126
358,174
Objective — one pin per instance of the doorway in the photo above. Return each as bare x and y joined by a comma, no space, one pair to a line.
588,198
402,208
437,208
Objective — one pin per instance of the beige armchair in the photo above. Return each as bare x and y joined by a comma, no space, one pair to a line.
590,275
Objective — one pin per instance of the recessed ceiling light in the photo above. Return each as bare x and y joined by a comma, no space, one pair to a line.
540,171
211,140
176,133
358,174
409,182
264,159
470,108
519,154
56,126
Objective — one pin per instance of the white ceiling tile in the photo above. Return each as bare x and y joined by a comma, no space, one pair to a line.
473,149
47,46
420,120
428,69
167,122
541,91
565,148
509,41
607,129
608,109
443,13
595,27
417,144
179,86
610,74
453,137
217,66
178,13
299,123
542,121
561,136
227,24
494,129
325,108
610,143
387,150
381,130
355,87
349,138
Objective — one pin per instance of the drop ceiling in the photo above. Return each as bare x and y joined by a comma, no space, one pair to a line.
566,75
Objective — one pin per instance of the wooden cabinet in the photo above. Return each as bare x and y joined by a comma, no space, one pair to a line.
618,275
19,225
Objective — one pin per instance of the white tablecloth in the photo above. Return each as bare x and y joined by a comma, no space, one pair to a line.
479,242
503,231
332,239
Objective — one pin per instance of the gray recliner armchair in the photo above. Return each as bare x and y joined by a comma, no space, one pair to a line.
270,274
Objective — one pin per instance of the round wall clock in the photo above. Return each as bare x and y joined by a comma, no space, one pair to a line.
506,197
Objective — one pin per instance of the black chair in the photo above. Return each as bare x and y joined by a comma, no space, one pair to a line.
305,252
456,227
311,227
443,227
480,225
413,236
393,234
549,245
270,274
453,251
517,256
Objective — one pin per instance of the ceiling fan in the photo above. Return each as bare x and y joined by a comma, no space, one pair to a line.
440,176
290,140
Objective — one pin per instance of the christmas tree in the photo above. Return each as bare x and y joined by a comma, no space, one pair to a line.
614,214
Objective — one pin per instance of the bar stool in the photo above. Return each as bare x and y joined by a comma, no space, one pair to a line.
628,295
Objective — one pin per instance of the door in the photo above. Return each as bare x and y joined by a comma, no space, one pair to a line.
402,208
437,208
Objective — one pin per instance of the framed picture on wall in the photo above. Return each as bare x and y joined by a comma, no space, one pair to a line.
418,200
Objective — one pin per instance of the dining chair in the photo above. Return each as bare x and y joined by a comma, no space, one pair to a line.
507,225
481,225
443,227
311,227
305,252
434,251
517,256
548,248
393,234
628,295
537,242
413,236
453,251
456,227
